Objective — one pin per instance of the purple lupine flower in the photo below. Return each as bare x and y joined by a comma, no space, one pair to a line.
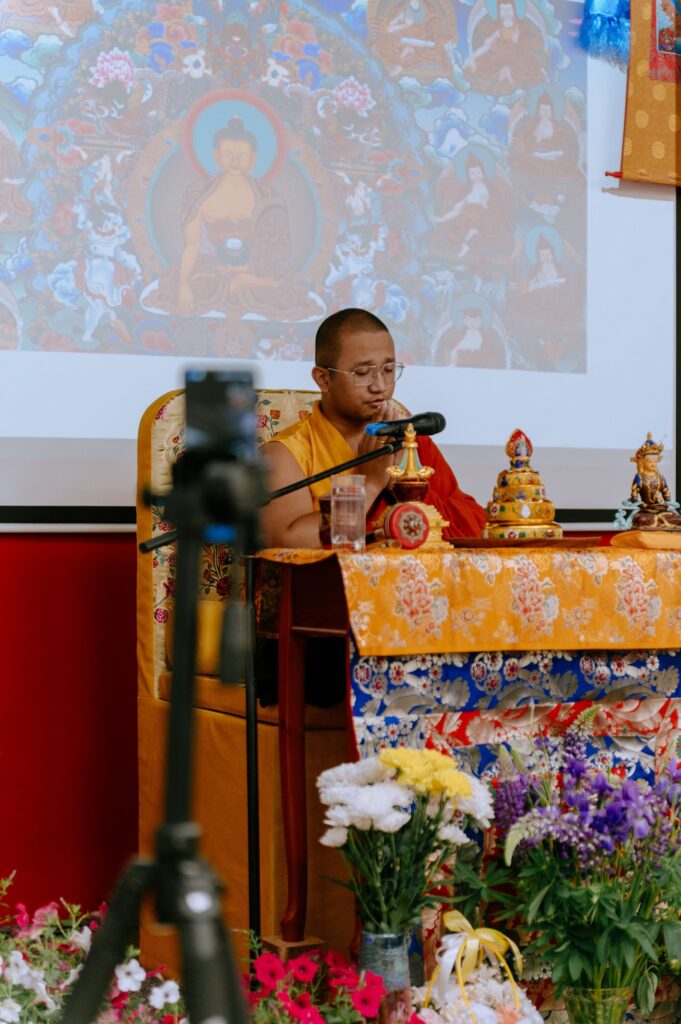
511,801
574,745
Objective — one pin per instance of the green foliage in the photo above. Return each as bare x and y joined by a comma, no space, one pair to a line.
41,956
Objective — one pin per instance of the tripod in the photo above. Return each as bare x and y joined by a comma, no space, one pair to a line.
207,491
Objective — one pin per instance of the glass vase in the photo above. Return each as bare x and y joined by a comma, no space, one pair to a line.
597,1005
388,955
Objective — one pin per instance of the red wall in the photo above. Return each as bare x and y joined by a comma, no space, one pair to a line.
68,757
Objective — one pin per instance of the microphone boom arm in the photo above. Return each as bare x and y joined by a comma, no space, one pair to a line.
387,449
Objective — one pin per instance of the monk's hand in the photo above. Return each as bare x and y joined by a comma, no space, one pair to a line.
376,471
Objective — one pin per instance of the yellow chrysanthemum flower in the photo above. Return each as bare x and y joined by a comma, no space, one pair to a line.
427,771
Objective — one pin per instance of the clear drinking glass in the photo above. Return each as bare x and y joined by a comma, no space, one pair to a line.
348,520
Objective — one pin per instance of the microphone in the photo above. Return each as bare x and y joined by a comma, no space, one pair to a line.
424,423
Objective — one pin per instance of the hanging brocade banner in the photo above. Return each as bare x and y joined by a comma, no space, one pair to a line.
650,148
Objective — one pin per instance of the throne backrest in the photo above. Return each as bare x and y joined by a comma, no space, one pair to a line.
161,439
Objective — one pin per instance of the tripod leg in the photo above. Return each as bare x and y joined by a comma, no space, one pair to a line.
109,945
212,986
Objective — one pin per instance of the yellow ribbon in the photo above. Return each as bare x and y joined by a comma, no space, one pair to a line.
463,950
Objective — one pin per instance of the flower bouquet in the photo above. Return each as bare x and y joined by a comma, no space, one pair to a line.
41,956
397,820
592,867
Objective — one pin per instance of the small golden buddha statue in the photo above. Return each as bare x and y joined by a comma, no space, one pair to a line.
519,507
649,489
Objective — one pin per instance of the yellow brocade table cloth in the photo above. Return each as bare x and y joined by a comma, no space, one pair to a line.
513,599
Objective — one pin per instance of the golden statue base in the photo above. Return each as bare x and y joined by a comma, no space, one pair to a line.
421,519
437,524
523,531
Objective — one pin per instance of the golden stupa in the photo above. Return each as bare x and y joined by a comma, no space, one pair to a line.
519,508
411,481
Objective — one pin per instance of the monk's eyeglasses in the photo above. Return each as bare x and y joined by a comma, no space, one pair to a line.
365,375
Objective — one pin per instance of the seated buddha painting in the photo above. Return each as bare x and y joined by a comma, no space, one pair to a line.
235,253
210,179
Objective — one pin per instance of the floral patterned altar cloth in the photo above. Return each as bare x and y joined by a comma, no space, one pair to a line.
470,649
478,648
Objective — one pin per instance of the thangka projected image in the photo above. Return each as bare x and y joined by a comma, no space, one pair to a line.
212,179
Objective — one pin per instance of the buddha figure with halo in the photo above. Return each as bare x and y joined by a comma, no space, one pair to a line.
649,489
519,508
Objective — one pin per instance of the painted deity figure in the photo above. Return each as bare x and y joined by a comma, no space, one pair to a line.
650,488
545,303
236,256
472,343
412,37
544,154
547,295
507,52
473,201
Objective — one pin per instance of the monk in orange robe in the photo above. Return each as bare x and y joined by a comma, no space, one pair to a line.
356,373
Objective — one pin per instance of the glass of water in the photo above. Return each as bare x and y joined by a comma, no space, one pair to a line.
348,519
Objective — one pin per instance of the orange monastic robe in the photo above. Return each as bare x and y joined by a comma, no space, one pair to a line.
316,445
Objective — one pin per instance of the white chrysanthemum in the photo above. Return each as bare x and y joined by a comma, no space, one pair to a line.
364,806
382,797
453,834
343,816
356,773
339,795
334,837
129,976
392,821
168,992
9,1011
479,804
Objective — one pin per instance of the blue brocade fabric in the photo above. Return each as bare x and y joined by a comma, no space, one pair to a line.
605,30
474,703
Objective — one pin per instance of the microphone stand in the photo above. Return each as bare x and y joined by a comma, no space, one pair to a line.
390,448
235,629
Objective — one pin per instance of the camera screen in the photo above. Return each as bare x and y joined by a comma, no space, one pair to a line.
221,417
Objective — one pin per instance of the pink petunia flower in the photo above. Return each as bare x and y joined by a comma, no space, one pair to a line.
366,1001
303,968
22,916
335,960
269,969
374,982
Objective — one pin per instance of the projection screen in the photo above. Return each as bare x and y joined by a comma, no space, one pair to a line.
201,183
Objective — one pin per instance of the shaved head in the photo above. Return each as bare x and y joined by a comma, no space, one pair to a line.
329,338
